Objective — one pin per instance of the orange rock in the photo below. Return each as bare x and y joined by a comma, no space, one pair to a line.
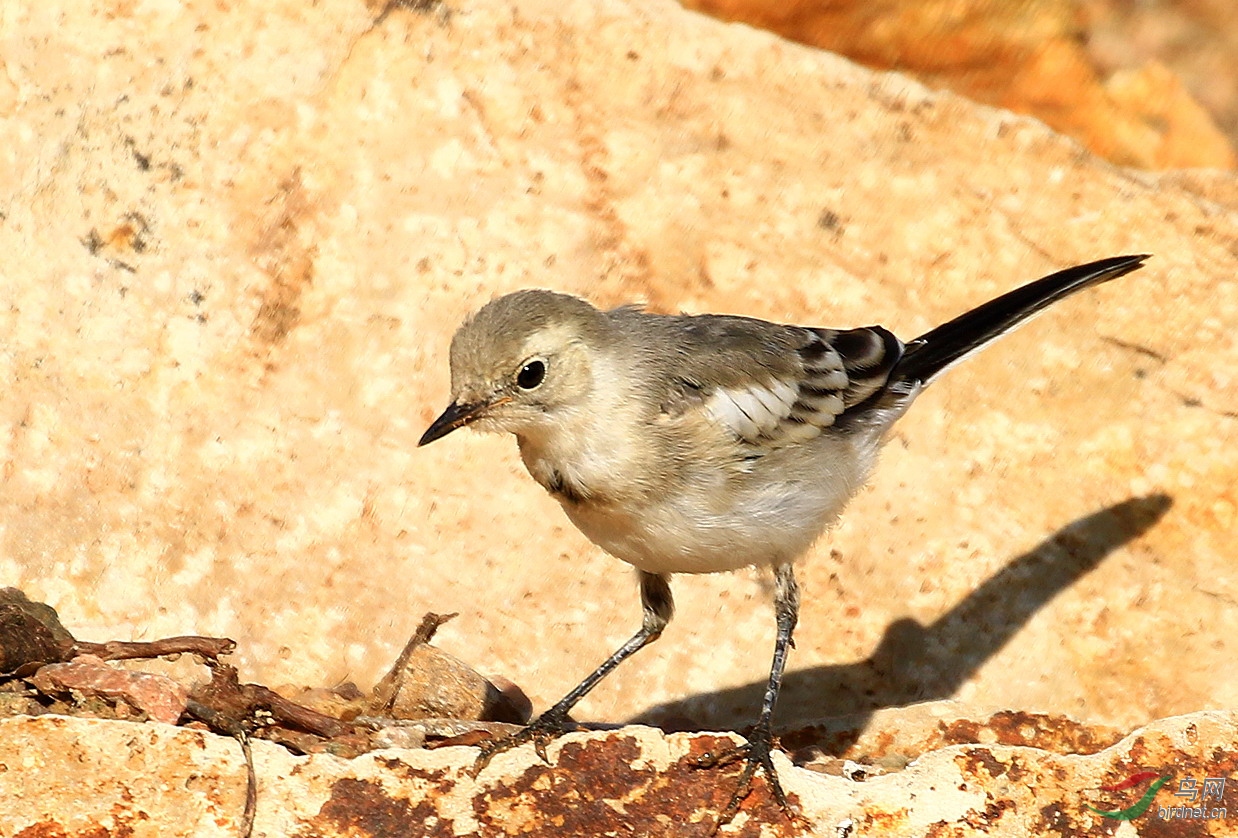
1027,57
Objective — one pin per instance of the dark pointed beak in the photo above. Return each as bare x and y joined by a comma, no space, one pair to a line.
456,415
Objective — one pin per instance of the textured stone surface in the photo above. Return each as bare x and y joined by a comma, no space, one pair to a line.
239,237
1033,57
437,684
76,777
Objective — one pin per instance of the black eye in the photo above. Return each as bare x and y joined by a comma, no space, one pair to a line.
531,375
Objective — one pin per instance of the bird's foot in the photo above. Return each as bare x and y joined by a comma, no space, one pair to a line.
541,732
756,753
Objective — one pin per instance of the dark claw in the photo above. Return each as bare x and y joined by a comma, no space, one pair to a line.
545,729
756,755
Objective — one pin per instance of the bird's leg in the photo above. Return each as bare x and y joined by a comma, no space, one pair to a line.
756,752
658,606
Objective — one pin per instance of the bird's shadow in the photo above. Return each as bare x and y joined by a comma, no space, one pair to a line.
915,662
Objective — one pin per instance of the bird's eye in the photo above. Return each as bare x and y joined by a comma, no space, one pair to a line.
531,375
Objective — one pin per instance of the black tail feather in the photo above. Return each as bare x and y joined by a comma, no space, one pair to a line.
934,352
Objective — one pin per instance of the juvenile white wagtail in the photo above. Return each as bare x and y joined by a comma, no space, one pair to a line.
697,444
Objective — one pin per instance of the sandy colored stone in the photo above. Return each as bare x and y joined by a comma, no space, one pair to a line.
74,777
438,685
427,683
238,241
88,777
1031,57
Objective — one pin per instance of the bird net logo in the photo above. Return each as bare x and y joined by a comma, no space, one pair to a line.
1198,798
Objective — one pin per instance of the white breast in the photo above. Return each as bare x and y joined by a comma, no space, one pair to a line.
769,516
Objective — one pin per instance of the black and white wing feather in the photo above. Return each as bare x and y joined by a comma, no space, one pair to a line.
769,385
837,371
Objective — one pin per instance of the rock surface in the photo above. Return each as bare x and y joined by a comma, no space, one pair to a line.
1197,39
1035,57
238,239
76,777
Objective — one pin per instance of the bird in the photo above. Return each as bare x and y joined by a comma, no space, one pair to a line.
686,444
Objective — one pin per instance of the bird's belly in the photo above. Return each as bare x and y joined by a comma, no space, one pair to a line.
691,531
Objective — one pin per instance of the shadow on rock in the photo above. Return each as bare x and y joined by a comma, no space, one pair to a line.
915,662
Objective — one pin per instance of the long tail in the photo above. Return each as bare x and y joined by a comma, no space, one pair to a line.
934,352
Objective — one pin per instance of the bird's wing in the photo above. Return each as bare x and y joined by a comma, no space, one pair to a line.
769,385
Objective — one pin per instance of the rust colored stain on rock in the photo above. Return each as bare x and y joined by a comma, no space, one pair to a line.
880,822
1223,763
595,768
973,760
594,789
1034,730
1055,820
993,812
364,808
1057,734
51,829
440,779
43,829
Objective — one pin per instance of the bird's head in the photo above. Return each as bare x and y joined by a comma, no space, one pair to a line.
521,363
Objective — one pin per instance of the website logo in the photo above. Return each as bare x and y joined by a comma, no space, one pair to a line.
1201,799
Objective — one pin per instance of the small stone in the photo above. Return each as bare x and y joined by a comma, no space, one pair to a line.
159,697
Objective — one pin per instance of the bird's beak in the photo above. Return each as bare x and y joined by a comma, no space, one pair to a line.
457,415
